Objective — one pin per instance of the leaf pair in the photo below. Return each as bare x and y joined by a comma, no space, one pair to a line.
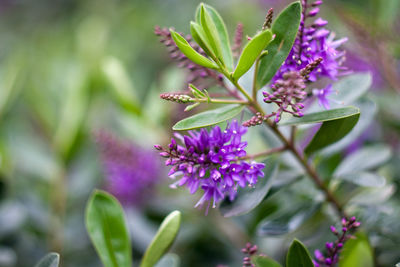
210,33
107,229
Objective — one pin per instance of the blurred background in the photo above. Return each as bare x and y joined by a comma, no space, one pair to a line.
79,86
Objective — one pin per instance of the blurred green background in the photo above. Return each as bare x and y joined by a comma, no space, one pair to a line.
70,68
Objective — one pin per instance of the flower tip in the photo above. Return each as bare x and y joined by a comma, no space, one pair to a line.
158,147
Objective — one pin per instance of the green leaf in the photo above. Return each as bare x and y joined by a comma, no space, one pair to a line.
163,240
251,51
168,260
200,37
262,261
196,92
357,252
288,221
351,88
190,53
50,260
298,255
210,29
208,118
252,197
121,84
331,132
367,179
322,116
223,36
73,108
285,28
364,159
106,226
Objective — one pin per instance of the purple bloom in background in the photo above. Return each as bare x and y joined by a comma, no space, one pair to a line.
312,42
322,95
131,171
211,161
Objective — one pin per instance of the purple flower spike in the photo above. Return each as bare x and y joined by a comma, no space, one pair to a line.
211,161
333,249
314,41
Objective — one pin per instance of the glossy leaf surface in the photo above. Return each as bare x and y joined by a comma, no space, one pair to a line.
298,255
209,117
50,260
223,36
326,115
285,28
190,53
261,261
331,132
163,240
251,51
357,253
364,159
106,226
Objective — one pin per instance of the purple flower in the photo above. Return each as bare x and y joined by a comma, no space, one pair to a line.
322,95
131,171
211,161
287,93
334,248
312,42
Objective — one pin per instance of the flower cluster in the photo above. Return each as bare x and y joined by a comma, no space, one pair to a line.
256,120
211,161
333,249
249,251
312,42
287,93
131,171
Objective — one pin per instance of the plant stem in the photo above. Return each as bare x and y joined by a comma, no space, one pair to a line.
254,90
265,153
220,101
308,167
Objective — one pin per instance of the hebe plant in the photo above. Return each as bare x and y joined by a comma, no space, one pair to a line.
289,58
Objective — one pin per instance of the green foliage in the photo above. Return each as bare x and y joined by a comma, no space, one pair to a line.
208,118
163,240
331,131
288,220
364,159
222,34
120,83
251,52
298,255
285,28
262,261
192,54
211,33
323,116
251,198
352,87
50,260
106,226
357,253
